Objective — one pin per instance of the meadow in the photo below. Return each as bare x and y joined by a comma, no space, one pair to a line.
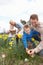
14,54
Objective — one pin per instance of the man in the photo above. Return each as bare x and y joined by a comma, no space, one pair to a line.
35,24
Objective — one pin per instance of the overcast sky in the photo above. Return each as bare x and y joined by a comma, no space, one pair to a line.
19,9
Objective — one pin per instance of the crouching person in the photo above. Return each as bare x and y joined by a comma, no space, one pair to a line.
28,34
12,32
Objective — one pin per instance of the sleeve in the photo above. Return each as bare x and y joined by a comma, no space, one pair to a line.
35,32
24,41
39,47
36,35
21,31
18,26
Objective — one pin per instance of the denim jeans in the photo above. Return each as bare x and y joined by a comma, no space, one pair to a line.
41,53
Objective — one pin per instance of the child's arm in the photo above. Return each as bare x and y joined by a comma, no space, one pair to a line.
24,41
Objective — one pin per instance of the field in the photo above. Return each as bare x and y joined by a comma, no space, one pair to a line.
14,54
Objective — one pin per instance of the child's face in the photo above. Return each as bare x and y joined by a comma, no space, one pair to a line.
11,26
27,30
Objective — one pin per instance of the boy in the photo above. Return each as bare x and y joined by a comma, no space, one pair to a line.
28,34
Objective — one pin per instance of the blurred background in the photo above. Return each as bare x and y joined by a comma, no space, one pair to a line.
19,9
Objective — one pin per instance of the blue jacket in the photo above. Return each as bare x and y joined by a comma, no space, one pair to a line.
27,37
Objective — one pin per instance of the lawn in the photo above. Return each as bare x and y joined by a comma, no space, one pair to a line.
13,54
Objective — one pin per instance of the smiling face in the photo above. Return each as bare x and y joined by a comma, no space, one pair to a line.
27,29
34,22
34,19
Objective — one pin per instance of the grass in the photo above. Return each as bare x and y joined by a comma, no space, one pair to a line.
13,54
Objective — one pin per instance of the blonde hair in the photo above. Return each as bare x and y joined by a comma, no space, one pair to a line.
12,22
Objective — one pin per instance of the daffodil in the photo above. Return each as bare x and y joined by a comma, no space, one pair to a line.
13,38
4,38
0,36
33,39
10,43
19,35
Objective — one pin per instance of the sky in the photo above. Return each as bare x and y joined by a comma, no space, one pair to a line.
19,9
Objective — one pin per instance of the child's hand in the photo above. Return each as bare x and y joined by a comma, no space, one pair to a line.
27,50
31,52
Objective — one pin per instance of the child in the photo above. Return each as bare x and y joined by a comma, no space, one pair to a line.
12,29
28,34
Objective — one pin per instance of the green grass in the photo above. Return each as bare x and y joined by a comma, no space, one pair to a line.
15,54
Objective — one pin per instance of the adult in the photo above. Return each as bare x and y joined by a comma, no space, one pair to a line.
18,26
35,24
